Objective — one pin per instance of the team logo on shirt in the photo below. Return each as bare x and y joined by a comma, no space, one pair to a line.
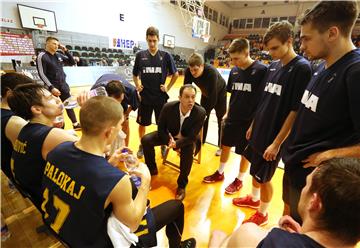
291,68
253,72
273,88
151,70
241,87
310,100
332,78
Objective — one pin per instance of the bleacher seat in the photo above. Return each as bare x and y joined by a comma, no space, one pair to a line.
97,49
78,48
104,50
91,55
84,54
84,48
68,47
91,49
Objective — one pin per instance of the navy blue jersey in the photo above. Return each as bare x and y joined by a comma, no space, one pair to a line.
280,238
284,86
50,68
211,84
245,87
131,96
329,115
27,158
6,146
153,71
76,185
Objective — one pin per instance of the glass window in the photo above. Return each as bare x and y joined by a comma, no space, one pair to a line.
215,16
292,19
257,22
249,25
227,22
236,23
250,21
283,18
242,23
206,11
265,22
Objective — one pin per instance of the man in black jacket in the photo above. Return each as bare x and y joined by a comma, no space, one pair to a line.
179,125
213,90
50,67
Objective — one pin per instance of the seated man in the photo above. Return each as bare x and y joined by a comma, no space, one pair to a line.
130,101
34,103
179,125
10,123
328,206
81,188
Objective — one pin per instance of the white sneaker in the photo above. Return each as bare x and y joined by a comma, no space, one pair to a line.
218,152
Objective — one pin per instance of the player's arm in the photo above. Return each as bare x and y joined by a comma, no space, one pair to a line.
55,137
13,128
317,158
273,149
125,209
136,73
174,77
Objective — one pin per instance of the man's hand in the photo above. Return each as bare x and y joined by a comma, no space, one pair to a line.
289,224
271,152
139,88
83,97
172,142
248,133
163,88
62,47
143,172
55,92
316,159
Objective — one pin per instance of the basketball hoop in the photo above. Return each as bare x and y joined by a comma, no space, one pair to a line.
205,38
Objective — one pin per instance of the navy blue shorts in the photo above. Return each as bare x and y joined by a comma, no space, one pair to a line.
260,169
145,112
234,134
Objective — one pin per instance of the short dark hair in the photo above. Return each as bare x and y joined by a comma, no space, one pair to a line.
51,38
12,79
98,113
325,14
282,31
151,31
186,86
195,59
239,45
23,97
337,181
115,88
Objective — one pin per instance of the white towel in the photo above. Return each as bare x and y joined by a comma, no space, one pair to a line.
120,234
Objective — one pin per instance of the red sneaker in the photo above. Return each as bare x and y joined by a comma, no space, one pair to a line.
216,177
258,218
234,187
246,201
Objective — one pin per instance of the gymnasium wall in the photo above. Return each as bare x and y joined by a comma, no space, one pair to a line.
103,18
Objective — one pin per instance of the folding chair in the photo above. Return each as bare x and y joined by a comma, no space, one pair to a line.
197,157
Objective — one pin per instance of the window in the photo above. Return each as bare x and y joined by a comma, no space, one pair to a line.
257,22
249,25
265,22
215,16
292,19
236,23
206,11
283,18
227,22
242,23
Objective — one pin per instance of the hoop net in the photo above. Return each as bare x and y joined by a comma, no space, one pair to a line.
41,26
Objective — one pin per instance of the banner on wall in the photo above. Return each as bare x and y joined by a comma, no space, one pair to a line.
121,43
16,44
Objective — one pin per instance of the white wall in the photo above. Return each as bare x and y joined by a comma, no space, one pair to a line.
102,18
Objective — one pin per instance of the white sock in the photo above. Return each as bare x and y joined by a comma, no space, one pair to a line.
255,193
241,176
221,168
264,207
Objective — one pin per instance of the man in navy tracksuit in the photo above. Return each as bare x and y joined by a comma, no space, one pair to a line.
50,67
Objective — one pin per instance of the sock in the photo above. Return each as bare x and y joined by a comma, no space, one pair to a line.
255,193
241,176
264,207
221,168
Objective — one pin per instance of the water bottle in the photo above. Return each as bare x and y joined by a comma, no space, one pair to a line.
131,163
71,102
59,121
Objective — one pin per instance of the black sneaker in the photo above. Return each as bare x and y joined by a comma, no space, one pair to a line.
189,243
77,127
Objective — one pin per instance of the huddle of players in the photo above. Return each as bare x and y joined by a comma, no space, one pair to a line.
266,105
